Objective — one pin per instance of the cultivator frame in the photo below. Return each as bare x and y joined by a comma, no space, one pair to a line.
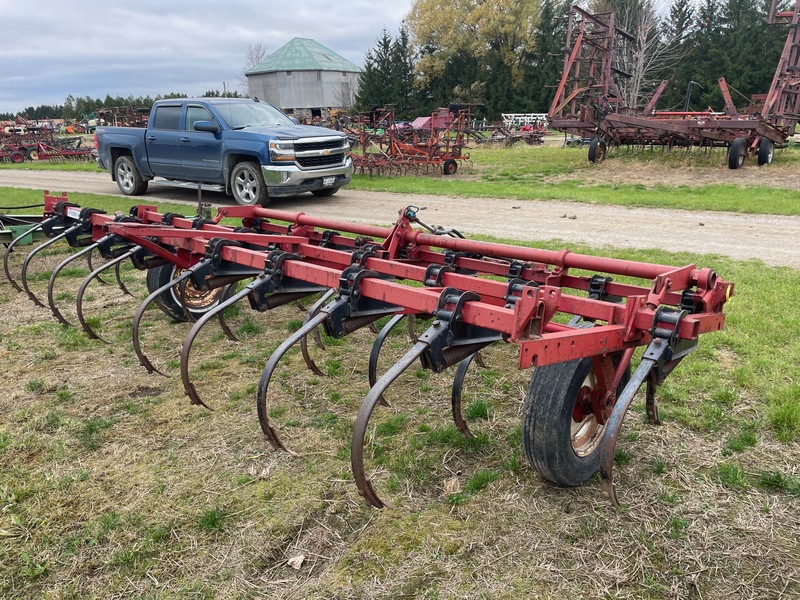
383,147
588,102
474,294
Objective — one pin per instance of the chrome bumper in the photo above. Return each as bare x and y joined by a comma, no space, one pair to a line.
287,180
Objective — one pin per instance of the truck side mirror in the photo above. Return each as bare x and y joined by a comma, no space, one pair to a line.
206,126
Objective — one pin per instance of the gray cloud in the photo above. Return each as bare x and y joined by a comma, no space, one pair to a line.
150,47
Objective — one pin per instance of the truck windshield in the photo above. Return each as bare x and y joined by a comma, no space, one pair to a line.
252,114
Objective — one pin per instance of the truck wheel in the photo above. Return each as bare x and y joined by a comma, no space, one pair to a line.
197,301
325,192
129,180
248,185
560,435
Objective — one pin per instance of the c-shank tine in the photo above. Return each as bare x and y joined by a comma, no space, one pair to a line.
13,243
455,399
91,268
222,322
137,318
51,284
121,285
186,349
269,369
34,252
85,284
376,350
362,420
613,425
313,311
652,407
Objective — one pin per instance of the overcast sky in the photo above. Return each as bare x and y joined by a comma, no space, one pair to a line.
53,48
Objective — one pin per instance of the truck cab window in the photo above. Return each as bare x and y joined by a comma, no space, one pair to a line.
195,114
167,117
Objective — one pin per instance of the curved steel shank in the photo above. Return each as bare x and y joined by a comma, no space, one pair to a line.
85,284
26,263
362,420
137,318
186,349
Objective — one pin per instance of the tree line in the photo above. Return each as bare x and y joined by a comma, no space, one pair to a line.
507,55
80,109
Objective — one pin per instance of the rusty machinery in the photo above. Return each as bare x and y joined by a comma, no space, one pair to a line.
588,101
569,318
383,146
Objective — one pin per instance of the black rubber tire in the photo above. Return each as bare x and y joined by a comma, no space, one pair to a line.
766,152
248,186
169,301
449,167
737,153
547,423
16,157
129,181
325,192
597,150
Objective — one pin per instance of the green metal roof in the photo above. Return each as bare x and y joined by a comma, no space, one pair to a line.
303,54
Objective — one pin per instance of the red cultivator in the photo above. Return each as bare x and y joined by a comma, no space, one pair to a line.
570,320
384,147
589,104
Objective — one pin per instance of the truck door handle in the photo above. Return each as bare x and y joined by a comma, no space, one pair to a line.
185,139
151,137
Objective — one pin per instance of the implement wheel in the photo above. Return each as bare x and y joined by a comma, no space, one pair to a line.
737,153
170,302
17,157
449,167
597,150
560,434
766,152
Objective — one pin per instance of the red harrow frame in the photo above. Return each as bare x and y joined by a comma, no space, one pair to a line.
588,102
474,293
384,147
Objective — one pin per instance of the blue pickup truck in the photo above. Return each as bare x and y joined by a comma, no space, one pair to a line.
245,148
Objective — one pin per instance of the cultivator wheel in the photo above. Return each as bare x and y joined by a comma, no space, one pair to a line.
561,434
737,153
597,150
183,301
766,152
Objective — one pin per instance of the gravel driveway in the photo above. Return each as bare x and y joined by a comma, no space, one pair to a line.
770,238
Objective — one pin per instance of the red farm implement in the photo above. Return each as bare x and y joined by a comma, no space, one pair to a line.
383,146
589,104
568,317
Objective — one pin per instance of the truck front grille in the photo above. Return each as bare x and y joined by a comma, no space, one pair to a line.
329,144
319,161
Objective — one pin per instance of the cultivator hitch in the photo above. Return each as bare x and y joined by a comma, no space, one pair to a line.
472,294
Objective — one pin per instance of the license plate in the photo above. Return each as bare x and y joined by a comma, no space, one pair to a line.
328,181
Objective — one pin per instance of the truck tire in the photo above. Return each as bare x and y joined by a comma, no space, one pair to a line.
248,186
129,181
324,192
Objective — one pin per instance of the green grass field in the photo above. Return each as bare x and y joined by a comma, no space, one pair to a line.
111,485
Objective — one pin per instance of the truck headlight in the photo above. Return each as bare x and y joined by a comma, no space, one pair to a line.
281,151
